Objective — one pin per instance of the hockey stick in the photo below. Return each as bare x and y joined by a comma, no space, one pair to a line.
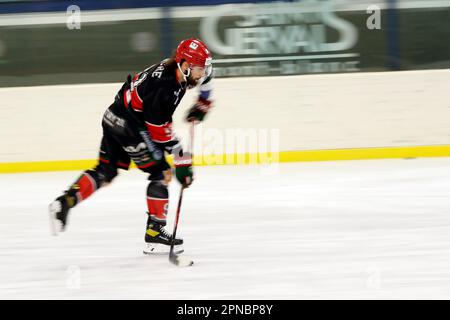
173,257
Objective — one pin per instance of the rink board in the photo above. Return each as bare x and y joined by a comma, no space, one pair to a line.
303,118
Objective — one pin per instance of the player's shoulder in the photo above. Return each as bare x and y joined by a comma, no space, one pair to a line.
163,72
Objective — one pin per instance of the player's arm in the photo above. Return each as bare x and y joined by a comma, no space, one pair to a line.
159,126
204,102
157,121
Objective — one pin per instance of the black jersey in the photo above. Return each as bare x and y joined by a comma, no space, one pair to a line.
150,99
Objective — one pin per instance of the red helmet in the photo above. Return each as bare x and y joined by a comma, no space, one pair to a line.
194,52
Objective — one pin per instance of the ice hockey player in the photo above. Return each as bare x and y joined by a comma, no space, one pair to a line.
138,126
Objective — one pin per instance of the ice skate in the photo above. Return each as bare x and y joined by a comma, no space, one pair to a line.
59,211
158,240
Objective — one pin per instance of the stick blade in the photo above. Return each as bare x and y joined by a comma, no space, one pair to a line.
180,261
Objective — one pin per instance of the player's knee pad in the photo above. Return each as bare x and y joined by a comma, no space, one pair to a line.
156,171
157,189
103,173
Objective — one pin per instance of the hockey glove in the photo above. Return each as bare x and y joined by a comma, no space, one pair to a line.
199,110
183,167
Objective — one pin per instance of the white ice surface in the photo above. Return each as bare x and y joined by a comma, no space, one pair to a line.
350,229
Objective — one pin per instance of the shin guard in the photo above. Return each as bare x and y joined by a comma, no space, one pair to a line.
157,202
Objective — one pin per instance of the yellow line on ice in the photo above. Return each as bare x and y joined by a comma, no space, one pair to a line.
251,158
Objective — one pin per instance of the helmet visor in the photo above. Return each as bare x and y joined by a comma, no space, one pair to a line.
204,71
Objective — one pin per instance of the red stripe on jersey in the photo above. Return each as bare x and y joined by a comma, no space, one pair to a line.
136,101
147,165
160,133
123,165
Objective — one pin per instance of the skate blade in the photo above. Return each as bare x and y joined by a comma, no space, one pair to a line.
55,224
161,249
